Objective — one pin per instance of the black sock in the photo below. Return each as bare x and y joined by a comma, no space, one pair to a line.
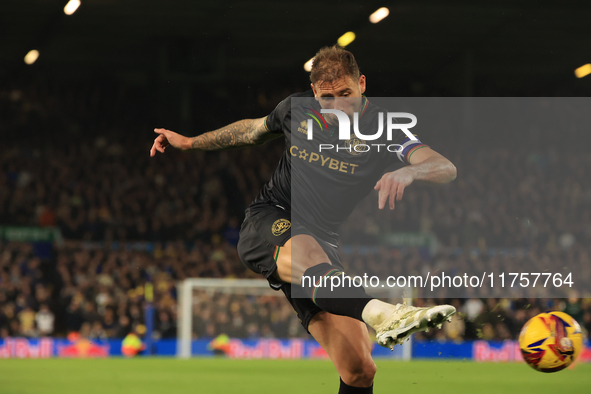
346,389
337,295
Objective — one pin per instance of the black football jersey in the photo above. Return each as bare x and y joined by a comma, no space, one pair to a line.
319,185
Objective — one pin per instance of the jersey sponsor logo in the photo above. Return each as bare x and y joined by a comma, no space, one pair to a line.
280,226
323,161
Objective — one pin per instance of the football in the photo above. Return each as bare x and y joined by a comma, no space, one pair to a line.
550,341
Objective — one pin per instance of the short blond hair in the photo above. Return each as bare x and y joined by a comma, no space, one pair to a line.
333,63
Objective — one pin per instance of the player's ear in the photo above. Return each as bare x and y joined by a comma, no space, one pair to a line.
315,92
362,83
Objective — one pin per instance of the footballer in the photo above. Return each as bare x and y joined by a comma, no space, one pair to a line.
290,230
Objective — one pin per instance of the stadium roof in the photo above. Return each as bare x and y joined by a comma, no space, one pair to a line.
511,43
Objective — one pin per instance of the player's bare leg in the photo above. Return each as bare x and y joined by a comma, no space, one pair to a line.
303,256
347,343
297,255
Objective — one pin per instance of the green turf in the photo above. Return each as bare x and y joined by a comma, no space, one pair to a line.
196,376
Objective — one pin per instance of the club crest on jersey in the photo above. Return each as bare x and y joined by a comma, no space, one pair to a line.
280,226
303,128
352,142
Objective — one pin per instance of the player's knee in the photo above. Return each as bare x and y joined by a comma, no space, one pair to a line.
369,371
361,375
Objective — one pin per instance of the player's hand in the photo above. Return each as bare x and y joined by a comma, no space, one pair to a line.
166,138
392,184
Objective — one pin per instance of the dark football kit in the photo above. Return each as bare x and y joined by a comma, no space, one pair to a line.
317,184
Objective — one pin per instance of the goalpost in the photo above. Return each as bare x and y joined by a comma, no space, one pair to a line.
196,290
185,292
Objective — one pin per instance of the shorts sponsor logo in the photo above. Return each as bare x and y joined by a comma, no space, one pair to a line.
280,226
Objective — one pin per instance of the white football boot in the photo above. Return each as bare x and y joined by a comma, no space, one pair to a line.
406,320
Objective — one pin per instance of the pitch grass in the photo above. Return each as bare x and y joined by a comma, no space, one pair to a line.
205,376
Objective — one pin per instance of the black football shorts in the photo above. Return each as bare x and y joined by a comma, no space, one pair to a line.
266,228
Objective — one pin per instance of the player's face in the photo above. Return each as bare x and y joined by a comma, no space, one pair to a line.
343,94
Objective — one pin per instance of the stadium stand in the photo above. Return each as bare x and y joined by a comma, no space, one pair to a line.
126,219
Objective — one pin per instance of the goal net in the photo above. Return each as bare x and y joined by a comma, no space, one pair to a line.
245,318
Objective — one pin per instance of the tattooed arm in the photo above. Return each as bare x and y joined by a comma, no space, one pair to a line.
242,133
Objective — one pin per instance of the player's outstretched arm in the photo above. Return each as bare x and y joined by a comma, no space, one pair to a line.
242,133
425,165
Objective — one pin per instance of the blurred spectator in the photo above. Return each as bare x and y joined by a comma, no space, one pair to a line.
472,308
110,325
97,331
165,327
45,320
26,318
74,316
124,326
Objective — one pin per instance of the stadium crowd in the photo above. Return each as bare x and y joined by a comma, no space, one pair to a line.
101,293
95,182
